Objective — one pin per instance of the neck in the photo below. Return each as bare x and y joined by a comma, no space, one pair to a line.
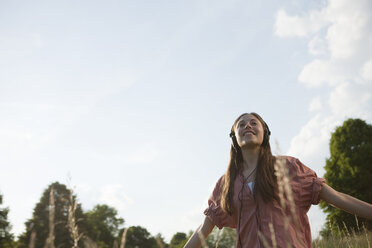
250,158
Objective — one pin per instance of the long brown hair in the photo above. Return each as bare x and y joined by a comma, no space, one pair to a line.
265,181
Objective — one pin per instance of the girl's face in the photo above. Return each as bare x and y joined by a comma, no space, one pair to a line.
249,131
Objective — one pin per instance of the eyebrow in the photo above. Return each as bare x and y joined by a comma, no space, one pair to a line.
240,121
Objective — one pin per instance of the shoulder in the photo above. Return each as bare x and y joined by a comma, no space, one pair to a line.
217,189
287,159
219,184
293,164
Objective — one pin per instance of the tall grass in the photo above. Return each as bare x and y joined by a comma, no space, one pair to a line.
338,240
123,238
345,240
72,223
49,243
31,244
286,201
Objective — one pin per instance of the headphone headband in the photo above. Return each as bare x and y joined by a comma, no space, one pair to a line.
268,129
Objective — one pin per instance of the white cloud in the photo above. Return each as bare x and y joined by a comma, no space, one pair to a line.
317,46
319,72
313,138
367,71
347,40
349,100
316,104
347,71
290,26
114,195
351,24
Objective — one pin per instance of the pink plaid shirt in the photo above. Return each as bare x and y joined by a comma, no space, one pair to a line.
256,216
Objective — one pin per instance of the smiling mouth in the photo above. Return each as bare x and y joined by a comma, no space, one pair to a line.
249,132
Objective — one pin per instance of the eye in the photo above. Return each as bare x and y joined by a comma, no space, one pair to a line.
241,124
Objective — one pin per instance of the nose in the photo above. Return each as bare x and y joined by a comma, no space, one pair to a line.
248,125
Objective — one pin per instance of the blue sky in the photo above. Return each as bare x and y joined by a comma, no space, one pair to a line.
134,100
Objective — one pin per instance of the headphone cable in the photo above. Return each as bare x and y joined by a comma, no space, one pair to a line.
240,197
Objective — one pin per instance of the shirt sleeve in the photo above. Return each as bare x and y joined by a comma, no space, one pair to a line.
214,211
305,183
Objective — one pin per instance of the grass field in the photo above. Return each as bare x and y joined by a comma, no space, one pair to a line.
346,240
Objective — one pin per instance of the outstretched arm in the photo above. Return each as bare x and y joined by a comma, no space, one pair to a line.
346,202
205,229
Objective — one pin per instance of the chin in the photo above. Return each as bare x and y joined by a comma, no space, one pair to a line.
248,145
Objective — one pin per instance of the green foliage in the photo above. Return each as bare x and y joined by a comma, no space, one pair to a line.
138,236
6,238
178,240
103,225
160,241
40,219
225,238
349,170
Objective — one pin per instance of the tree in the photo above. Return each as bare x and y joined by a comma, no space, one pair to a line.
138,236
103,225
6,238
178,240
349,170
160,241
226,238
52,213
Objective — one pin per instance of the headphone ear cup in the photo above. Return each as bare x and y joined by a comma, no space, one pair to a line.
267,134
266,137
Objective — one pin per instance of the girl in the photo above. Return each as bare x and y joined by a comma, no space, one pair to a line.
253,197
